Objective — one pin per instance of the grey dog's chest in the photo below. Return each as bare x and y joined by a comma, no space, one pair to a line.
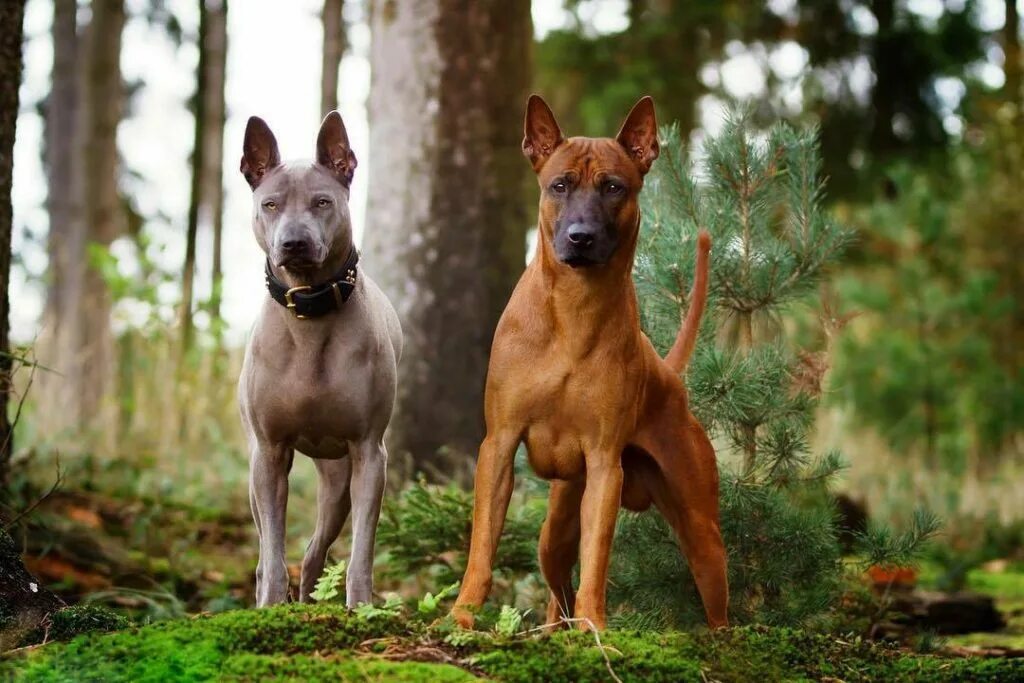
315,395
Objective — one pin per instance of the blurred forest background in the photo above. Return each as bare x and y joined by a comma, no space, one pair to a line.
134,276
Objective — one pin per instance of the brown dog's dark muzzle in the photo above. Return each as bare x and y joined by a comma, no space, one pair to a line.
585,243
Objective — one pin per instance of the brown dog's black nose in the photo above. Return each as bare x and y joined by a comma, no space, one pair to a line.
580,235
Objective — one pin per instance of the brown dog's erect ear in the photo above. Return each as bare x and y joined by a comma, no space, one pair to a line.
639,134
542,134
259,151
333,151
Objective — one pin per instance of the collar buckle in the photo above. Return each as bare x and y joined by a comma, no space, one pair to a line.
290,305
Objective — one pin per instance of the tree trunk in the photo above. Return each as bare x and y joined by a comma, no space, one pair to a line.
198,148
888,81
1011,50
61,120
334,49
207,199
11,26
85,172
448,204
102,96
216,46
748,431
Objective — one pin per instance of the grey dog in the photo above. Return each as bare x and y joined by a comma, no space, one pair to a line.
319,373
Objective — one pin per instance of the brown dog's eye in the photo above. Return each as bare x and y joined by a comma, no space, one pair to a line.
323,202
559,188
270,206
612,188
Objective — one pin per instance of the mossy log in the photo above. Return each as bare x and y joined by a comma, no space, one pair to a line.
941,613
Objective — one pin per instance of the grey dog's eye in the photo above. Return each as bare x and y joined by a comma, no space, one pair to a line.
322,202
270,205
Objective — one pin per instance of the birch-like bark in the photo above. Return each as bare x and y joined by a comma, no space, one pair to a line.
448,205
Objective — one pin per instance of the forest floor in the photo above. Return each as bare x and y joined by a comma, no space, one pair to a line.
324,642
160,564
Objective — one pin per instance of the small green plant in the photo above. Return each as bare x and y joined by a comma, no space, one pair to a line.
392,607
509,621
425,532
884,546
328,586
429,603
461,637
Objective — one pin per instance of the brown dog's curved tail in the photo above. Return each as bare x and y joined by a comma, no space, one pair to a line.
679,355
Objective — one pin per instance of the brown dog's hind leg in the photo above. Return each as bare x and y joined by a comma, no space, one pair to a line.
684,486
492,491
559,547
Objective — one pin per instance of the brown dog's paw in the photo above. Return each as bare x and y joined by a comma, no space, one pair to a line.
463,617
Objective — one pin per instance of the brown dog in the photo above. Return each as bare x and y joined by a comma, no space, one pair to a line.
571,375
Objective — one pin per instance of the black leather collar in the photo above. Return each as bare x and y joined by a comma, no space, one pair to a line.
314,301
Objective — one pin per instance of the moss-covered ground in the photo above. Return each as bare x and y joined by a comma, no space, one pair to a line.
298,642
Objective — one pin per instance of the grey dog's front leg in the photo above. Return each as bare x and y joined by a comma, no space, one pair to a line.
268,489
369,468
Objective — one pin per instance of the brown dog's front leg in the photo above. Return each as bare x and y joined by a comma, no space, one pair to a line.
492,491
597,515
559,547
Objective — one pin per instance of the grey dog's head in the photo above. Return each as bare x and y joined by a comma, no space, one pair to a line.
300,210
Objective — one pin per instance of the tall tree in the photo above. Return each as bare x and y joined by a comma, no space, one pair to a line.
61,120
335,42
188,274
1012,66
61,107
88,212
448,205
11,28
216,46
207,193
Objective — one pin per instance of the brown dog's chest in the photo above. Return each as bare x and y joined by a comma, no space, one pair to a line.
569,406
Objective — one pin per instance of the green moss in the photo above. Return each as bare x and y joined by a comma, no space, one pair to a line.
300,642
196,649
77,619
742,654
250,667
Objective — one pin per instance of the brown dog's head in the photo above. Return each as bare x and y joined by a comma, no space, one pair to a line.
589,186
300,210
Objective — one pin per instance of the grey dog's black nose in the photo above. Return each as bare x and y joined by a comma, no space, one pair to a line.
580,235
294,245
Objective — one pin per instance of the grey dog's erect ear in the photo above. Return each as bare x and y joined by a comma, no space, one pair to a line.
259,151
333,151
639,134
541,134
